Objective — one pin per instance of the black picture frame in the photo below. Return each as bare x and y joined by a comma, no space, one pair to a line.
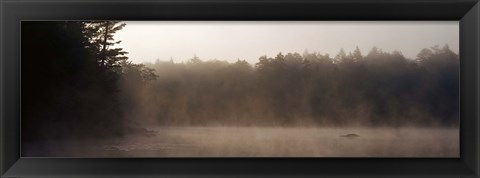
12,12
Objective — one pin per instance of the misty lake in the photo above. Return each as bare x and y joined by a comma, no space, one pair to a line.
266,142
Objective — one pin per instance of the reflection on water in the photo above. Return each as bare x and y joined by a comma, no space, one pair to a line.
262,142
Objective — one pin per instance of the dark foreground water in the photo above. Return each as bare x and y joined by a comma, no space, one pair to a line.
261,142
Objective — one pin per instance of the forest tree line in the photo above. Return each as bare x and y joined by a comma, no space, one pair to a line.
310,89
72,78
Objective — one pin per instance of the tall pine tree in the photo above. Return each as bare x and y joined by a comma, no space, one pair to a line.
100,34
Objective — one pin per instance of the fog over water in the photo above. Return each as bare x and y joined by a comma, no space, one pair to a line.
267,142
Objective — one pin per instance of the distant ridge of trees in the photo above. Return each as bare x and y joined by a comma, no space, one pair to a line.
377,89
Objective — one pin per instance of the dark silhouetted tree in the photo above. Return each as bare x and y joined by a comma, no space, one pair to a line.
101,38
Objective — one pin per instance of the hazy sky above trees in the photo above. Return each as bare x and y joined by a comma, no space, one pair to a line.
232,40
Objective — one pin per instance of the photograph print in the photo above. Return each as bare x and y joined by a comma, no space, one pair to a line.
240,89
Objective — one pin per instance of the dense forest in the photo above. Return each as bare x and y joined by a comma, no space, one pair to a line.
71,80
309,89
75,83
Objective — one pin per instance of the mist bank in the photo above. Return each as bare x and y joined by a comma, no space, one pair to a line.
262,142
310,89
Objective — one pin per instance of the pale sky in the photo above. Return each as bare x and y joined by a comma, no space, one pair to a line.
147,41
